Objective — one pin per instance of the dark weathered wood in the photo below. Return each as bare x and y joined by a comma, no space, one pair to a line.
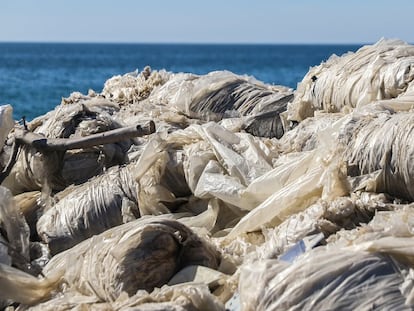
60,144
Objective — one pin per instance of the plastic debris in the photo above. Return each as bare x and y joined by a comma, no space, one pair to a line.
242,196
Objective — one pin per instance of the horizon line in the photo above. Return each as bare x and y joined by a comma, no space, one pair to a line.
181,42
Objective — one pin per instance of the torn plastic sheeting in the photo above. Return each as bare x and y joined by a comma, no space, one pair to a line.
238,160
134,87
399,223
325,279
388,232
327,217
221,93
25,288
286,170
387,150
214,182
290,199
306,135
323,178
87,210
120,194
182,297
380,71
6,123
15,225
60,169
142,254
239,154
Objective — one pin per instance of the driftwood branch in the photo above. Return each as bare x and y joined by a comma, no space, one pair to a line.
43,144
61,144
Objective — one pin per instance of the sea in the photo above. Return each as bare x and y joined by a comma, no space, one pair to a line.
35,76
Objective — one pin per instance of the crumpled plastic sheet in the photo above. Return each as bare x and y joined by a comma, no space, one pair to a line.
60,169
305,136
6,123
380,71
182,297
397,223
89,209
252,197
237,168
22,287
325,279
162,180
372,264
134,87
379,143
142,254
16,229
327,217
149,186
221,94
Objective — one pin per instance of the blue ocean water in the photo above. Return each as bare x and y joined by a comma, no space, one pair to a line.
35,76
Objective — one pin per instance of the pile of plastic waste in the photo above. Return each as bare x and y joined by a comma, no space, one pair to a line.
174,191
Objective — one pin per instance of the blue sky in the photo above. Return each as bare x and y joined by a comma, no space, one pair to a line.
210,21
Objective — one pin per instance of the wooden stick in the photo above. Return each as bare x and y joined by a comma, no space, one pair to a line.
61,144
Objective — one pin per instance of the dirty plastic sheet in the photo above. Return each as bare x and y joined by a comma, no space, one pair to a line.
6,123
384,226
380,71
25,288
142,254
222,94
88,209
134,87
33,170
321,178
18,232
327,217
119,195
194,296
387,151
325,279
